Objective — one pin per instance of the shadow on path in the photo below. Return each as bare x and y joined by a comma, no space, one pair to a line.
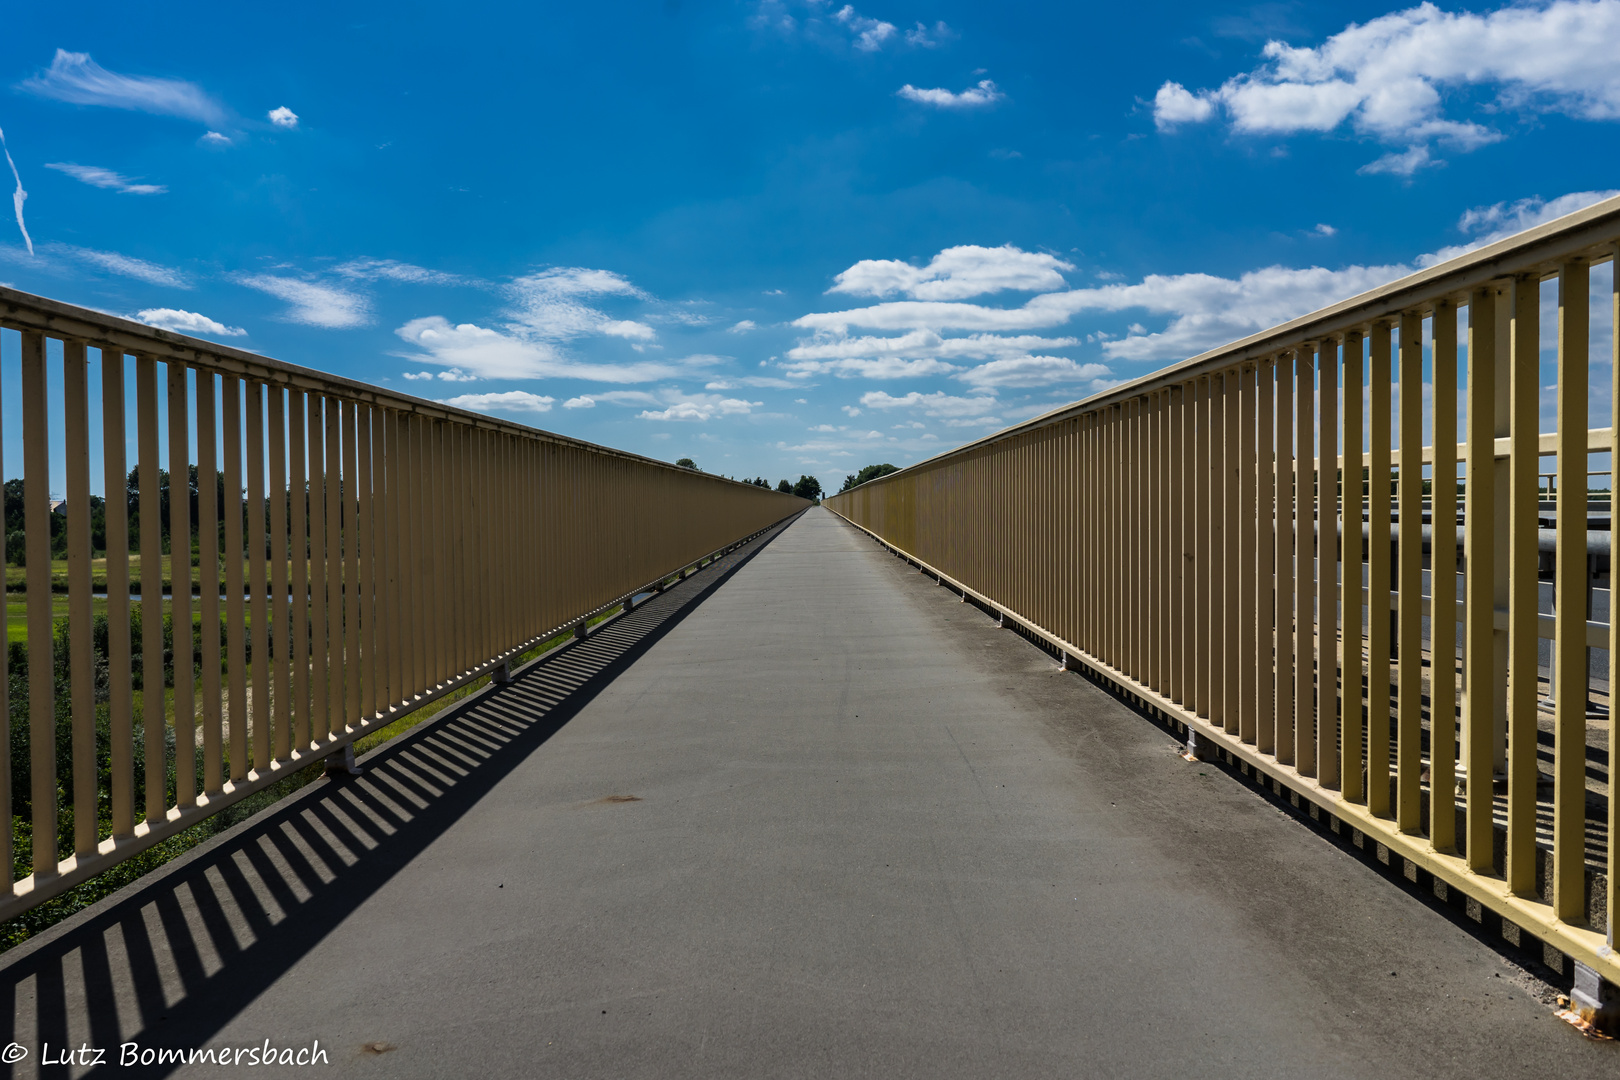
170,960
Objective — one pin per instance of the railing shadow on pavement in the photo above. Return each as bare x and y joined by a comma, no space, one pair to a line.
172,959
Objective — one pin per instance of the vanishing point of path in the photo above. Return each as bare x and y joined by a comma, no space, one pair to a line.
804,815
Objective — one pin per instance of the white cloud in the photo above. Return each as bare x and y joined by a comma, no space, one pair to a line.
283,117
1503,219
548,304
923,343
509,402
743,326
581,402
455,374
1037,371
1385,77
1404,163
369,269
925,37
79,80
187,322
415,376
215,139
850,410
127,266
754,381
1325,230
18,197
883,367
96,176
955,274
939,404
701,407
974,97
494,354
313,304
1175,104
870,34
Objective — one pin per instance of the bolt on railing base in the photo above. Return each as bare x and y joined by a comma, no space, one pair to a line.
341,762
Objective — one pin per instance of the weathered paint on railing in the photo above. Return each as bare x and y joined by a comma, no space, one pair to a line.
440,543
1150,533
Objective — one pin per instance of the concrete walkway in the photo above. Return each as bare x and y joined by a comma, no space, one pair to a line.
804,815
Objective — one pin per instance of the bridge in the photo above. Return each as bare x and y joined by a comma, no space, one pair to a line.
1051,755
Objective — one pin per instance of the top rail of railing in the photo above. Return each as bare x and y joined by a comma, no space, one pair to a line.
26,311
1588,233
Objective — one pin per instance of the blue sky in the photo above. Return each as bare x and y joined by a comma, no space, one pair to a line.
779,237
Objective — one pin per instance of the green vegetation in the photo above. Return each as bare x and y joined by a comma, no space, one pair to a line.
808,487
870,472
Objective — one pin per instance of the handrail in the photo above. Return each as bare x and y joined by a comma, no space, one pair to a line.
1149,533
371,552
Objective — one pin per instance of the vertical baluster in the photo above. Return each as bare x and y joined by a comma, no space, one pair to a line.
1569,568
1232,546
365,600
185,705
1266,643
354,671
120,674
1214,440
1378,569
1479,544
258,585
1350,579
235,618
1304,562
320,571
298,545
1443,584
152,688
76,431
1408,651
1610,902
1327,563
1286,534
41,674
1245,635
213,713
1200,545
1524,513
1187,541
332,723
280,627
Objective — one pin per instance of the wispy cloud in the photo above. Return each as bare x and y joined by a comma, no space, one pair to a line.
549,304
512,401
187,322
96,176
79,80
369,269
925,37
870,34
1032,371
974,97
126,266
502,354
19,196
878,367
313,303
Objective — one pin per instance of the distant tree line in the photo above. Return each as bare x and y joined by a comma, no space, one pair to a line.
871,472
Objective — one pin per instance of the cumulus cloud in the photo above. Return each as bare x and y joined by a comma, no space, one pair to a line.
187,322
512,401
955,274
754,381
1404,163
126,266
870,34
882,367
922,343
581,402
938,404
79,80
1023,371
701,407
283,117
313,303
501,354
1387,78
1503,219
974,97
214,139
96,176
743,326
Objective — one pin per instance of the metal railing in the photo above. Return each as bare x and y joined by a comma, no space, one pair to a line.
354,554
1168,534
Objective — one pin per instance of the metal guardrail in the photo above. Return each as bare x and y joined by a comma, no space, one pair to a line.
371,552
1150,533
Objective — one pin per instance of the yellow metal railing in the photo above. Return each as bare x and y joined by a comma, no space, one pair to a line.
1166,533
355,554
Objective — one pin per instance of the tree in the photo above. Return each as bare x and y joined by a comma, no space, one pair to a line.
808,487
687,463
871,472
761,482
785,487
